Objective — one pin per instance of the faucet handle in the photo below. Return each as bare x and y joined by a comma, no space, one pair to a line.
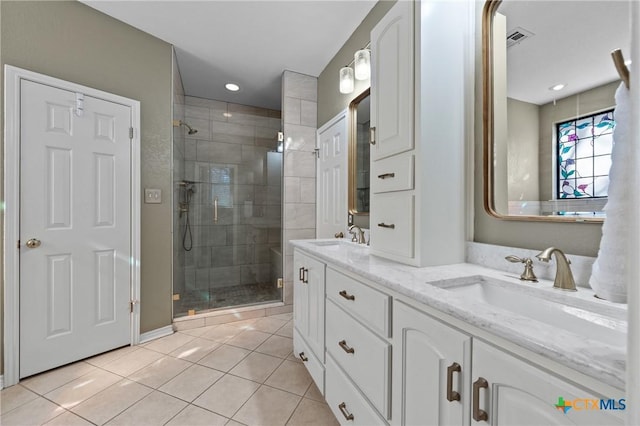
527,274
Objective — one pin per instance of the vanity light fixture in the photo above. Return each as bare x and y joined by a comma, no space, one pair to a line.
361,70
232,87
362,64
347,82
557,87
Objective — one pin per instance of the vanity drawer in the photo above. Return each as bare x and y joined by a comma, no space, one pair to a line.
340,392
315,368
363,356
360,300
392,174
392,227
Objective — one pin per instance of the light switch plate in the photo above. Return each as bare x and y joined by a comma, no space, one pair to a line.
152,196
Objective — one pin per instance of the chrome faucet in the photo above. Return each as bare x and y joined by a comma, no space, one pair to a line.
564,278
358,234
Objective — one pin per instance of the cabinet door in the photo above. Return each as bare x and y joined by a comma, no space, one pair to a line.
315,306
308,301
518,393
426,353
300,294
392,82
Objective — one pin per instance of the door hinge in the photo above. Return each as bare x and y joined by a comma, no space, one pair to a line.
130,132
18,244
132,305
317,152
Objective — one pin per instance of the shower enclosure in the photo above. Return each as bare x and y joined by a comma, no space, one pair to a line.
228,201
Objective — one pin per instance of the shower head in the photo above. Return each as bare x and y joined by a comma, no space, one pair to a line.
191,130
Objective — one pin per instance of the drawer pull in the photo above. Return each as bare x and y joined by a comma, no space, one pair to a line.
386,175
302,275
347,349
302,357
384,225
451,394
343,409
347,296
478,414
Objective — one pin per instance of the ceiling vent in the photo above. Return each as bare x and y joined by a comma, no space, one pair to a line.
517,35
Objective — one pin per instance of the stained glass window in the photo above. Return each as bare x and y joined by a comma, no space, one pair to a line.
584,155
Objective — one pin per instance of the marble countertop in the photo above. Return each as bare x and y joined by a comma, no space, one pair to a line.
602,361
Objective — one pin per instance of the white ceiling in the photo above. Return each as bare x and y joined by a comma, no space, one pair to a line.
247,42
572,45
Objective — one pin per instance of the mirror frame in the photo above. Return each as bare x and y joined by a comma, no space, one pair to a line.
353,152
488,12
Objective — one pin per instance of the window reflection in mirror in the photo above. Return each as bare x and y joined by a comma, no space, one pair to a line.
549,85
359,111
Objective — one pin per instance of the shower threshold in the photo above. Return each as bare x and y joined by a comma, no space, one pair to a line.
204,301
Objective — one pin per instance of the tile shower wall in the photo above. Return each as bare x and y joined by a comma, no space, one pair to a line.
299,113
178,175
232,157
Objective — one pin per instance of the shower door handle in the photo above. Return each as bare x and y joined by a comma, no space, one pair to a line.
215,210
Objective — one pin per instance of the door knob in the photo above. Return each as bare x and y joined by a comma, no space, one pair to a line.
33,243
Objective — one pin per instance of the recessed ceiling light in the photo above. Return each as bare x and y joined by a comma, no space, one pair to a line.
557,87
232,87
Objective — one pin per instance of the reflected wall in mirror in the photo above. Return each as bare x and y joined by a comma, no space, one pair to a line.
548,89
359,114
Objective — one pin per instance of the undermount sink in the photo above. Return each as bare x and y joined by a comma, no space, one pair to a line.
562,311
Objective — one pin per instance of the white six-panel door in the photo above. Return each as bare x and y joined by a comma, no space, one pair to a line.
332,178
75,227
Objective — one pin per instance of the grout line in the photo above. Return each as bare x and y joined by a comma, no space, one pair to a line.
192,363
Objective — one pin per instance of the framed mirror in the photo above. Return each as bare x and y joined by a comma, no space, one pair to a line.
359,123
548,100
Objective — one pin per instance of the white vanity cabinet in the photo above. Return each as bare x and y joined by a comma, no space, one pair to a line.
382,358
418,90
509,391
308,314
432,369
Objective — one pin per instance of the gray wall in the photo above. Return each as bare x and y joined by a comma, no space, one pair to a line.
522,151
575,238
71,41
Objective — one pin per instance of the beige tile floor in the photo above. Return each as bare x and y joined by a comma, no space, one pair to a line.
242,372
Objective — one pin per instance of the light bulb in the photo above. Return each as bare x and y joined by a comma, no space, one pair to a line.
346,80
362,61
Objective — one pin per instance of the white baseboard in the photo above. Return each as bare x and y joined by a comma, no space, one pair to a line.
156,334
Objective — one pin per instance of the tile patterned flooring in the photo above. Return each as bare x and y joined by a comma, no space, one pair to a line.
242,372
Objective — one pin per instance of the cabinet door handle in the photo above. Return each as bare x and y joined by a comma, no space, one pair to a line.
343,409
347,349
302,357
305,276
478,414
386,175
372,135
451,394
384,225
347,296
301,274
